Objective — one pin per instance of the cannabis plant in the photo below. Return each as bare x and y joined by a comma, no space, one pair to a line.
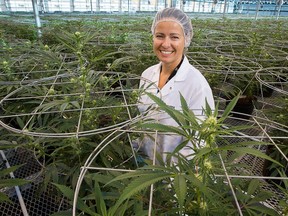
71,99
198,185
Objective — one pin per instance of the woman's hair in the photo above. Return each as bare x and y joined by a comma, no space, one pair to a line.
175,15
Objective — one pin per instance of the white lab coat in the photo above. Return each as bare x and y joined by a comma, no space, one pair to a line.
195,89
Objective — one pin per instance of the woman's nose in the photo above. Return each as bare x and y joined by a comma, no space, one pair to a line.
166,42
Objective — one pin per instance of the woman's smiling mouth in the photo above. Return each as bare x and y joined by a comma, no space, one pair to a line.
166,52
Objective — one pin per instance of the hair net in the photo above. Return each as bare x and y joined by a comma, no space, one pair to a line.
176,15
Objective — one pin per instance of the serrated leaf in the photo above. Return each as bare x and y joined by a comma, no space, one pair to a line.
49,105
137,185
180,146
123,208
180,187
63,213
4,172
76,104
244,143
63,107
252,187
5,142
229,108
185,109
7,145
4,198
100,203
184,104
208,110
69,193
170,111
20,122
194,181
255,152
164,128
12,182
203,151
133,174
263,209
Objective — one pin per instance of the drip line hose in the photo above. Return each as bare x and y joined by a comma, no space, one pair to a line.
17,189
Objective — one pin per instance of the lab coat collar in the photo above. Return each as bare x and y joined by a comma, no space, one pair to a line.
183,70
179,77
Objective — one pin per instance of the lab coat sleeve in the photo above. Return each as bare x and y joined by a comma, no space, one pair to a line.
198,101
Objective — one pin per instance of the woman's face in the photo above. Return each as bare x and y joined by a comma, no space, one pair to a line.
169,42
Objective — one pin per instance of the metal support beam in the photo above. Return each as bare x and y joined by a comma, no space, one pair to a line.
225,8
5,5
72,5
37,18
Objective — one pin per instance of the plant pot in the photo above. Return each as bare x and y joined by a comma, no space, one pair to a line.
266,91
271,171
244,107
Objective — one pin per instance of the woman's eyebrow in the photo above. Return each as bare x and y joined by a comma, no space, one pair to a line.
175,34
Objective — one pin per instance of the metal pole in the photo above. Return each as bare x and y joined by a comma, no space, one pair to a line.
193,6
72,5
156,4
37,18
120,6
257,9
98,5
199,5
91,6
225,8
5,6
139,5
279,3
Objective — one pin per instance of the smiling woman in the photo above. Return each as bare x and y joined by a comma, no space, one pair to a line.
174,76
168,45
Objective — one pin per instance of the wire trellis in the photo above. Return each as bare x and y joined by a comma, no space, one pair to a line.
274,78
40,96
111,93
259,132
24,122
218,63
49,95
262,54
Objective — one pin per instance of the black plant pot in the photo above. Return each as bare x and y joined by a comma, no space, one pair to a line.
244,107
266,91
271,171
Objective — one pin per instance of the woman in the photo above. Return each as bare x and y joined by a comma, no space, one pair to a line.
174,75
